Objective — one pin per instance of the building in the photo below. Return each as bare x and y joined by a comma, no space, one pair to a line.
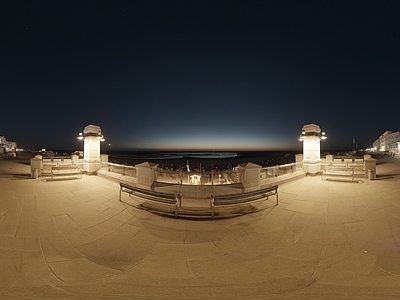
376,145
7,145
2,140
388,141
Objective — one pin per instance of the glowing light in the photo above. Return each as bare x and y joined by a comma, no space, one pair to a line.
99,136
302,136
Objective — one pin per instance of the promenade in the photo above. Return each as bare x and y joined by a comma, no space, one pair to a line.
325,239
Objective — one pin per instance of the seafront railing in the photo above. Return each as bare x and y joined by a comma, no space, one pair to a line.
214,177
279,170
199,178
125,170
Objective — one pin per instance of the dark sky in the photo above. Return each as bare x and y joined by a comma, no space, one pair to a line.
199,74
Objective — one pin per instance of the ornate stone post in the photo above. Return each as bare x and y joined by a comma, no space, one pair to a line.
36,166
310,136
92,137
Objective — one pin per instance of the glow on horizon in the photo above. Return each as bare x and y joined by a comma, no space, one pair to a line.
210,143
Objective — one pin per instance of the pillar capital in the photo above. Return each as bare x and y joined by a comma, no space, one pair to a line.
311,128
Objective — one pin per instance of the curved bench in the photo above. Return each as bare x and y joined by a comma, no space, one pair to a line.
66,171
164,198
240,198
338,173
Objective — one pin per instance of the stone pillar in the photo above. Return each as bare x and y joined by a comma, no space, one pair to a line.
36,166
298,160
250,176
311,136
329,158
146,174
369,167
91,150
74,158
367,156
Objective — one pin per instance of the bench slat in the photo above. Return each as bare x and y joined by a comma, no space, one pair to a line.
338,172
66,170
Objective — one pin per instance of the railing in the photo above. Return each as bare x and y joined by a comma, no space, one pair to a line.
57,160
205,177
119,169
199,178
279,170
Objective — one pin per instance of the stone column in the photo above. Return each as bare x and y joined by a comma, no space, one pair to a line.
369,167
146,174
298,159
91,151
104,157
311,136
250,176
329,158
36,166
74,158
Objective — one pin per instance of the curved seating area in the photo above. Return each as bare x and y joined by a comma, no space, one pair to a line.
171,203
74,239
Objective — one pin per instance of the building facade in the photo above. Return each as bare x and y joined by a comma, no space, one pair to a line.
388,141
7,146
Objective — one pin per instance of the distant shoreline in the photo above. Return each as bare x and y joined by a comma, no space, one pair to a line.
208,160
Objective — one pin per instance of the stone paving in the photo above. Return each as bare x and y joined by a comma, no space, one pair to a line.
325,239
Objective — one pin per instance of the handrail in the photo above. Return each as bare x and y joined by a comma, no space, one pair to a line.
212,177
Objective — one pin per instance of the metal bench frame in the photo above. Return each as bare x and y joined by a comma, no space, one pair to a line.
240,198
163,198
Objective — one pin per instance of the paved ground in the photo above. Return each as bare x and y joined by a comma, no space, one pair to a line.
74,238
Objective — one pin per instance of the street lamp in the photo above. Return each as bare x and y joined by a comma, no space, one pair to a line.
302,136
98,135
320,135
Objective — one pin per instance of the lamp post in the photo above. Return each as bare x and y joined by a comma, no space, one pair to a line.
311,135
92,137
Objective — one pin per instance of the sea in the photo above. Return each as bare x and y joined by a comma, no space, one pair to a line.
202,160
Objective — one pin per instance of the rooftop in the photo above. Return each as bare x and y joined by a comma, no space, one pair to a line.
74,238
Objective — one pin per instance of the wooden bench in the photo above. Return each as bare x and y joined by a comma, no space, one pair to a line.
66,171
164,198
240,198
338,173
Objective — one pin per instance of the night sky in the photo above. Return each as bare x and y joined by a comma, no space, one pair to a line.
199,75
